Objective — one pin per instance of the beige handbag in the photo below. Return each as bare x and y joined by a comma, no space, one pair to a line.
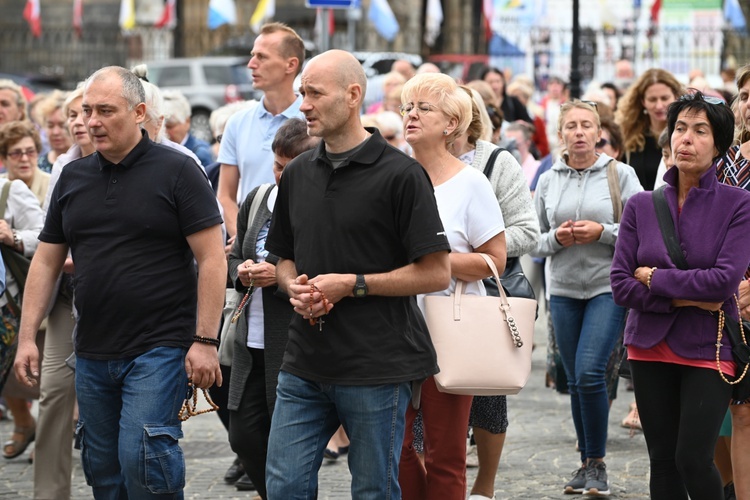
483,344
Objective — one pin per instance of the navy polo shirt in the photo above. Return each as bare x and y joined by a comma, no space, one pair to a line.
375,213
126,225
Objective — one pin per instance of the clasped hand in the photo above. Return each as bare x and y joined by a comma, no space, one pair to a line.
306,295
260,275
578,233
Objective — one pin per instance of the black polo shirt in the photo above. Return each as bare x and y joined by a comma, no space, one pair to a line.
373,214
126,225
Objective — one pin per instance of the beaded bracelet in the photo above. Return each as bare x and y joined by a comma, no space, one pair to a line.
206,340
650,275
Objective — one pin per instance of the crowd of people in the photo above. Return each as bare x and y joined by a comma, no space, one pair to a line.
333,221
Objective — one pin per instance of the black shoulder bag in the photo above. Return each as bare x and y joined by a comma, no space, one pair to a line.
734,330
513,280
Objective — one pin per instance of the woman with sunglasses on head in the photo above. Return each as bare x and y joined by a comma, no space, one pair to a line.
672,331
20,225
642,115
436,112
576,214
734,169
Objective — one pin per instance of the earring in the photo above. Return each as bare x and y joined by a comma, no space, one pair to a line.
445,132
645,112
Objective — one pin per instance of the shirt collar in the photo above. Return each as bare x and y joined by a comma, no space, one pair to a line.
290,112
707,180
367,155
140,149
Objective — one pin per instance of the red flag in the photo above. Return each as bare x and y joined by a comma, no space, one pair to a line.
488,10
78,17
168,15
32,16
655,8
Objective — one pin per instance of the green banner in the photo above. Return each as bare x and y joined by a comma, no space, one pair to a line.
691,4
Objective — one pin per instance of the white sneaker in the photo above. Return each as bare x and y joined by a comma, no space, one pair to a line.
481,497
472,460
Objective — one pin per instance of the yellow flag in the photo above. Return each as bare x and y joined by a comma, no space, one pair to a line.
265,10
127,14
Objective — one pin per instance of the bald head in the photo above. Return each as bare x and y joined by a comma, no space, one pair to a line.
342,66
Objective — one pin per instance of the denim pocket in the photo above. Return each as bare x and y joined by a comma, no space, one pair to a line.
80,444
165,463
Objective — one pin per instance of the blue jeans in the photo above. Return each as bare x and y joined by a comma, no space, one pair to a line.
586,332
128,426
308,413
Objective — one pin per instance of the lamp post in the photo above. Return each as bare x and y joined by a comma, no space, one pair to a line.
575,74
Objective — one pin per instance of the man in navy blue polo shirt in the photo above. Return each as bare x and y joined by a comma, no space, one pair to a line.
358,232
136,216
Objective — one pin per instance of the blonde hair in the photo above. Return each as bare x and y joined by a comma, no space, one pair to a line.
741,132
51,103
72,96
630,111
452,101
6,84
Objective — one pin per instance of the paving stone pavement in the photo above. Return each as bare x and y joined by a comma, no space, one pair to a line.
538,458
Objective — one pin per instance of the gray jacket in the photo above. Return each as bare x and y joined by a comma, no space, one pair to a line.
563,193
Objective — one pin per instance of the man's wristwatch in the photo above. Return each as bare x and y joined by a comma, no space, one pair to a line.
360,287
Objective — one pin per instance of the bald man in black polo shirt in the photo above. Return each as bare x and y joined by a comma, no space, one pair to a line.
358,232
136,216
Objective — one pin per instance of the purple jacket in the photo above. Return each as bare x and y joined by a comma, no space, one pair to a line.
714,232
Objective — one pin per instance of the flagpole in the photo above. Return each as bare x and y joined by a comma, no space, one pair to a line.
575,74
324,35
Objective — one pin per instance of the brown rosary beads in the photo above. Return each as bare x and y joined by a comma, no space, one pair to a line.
323,298
190,405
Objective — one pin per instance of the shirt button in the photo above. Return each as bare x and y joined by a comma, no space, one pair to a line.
114,181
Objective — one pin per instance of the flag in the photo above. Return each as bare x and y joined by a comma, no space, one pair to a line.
655,8
168,16
382,17
488,9
318,28
127,14
433,20
32,16
221,12
78,17
733,15
265,10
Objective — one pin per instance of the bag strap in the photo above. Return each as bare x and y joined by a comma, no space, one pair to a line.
257,200
613,179
666,225
4,198
491,161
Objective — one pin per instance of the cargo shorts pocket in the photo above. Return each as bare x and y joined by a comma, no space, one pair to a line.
164,462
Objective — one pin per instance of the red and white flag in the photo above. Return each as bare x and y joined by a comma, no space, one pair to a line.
78,17
168,17
488,9
32,16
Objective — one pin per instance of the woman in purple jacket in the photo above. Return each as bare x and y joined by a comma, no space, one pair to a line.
671,332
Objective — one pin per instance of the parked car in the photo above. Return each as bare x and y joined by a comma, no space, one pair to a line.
207,82
463,67
378,63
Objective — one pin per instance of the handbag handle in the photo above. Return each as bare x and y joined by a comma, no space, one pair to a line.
503,298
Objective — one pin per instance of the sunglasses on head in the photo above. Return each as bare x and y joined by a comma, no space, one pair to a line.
694,94
591,103
602,142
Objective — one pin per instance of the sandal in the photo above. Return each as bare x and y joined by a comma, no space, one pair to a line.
633,420
19,441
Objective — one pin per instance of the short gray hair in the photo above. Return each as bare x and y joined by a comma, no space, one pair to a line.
176,106
132,90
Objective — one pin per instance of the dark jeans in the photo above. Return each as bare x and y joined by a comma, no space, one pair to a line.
681,410
250,425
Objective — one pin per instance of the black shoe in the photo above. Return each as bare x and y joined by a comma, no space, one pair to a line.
234,472
331,455
244,483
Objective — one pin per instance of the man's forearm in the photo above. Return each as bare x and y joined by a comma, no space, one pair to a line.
429,273
211,283
286,272
230,214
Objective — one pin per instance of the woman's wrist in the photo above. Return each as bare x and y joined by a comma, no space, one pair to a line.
650,277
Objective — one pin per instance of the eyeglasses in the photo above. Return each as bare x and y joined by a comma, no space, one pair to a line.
17,154
694,94
591,103
422,108
602,142
219,137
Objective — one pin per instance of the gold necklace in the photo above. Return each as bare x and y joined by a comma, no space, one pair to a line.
440,174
